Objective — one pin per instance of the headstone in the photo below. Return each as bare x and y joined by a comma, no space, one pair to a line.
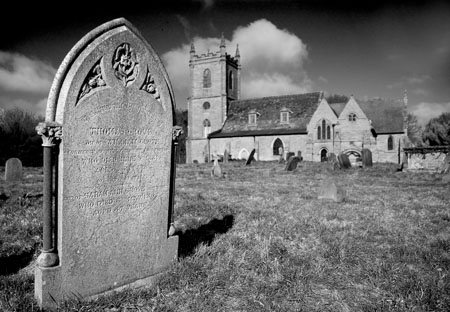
289,155
329,190
115,177
344,161
366,155
225,156
281,153
270,172
332,158
292,163
445,166
216,171
299,155
13,170
250,158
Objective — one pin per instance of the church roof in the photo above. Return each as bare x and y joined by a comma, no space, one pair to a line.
337,107
386,115
301,107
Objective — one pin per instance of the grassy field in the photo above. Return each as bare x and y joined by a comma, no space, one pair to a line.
260,240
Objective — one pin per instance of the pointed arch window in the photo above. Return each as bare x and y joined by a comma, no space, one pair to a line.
207,78
390,143
277,147
230,80
206,128
323,130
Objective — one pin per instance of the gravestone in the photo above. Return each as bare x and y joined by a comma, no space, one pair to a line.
289,155
329,190
250,158
344,161
13,170
114,101
292,163
332,158
299,155
445,166
366,155
216,171
225,156
281,158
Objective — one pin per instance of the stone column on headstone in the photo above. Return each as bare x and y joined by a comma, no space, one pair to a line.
176,132
50,133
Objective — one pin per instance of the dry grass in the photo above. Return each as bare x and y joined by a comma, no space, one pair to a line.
259,240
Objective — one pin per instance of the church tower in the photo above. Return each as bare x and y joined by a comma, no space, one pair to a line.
215,80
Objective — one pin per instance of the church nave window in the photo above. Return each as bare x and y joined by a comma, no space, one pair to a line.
323,130
390,143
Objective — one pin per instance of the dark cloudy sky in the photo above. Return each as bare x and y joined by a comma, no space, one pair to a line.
366,48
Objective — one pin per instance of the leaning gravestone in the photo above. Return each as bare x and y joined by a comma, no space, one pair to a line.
250,158
114,101
366,157
13,170
344,161
292,163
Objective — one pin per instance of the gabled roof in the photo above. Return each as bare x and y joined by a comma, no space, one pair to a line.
386,115
302,107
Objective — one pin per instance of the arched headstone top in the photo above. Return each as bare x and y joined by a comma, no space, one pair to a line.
112,55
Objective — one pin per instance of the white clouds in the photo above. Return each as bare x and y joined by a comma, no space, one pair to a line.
272,61
425,111
20,73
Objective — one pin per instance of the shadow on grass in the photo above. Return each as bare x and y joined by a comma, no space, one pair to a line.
204,234
12,264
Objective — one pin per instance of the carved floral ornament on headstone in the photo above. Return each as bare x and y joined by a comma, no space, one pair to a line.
125,64
126,68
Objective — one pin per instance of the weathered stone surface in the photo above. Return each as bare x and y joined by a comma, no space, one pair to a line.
344,161
250,158
13,170
292,163
366,155
113,98
329,190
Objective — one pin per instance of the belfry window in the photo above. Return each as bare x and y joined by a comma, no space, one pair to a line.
207,78
206,128
230,80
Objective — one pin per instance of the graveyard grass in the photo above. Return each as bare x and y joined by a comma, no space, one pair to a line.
260,240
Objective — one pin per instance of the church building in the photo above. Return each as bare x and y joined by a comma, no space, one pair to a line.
306,124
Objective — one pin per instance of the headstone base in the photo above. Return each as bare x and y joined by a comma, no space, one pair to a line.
49,292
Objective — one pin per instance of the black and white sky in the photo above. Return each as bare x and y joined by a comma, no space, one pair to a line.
365,48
